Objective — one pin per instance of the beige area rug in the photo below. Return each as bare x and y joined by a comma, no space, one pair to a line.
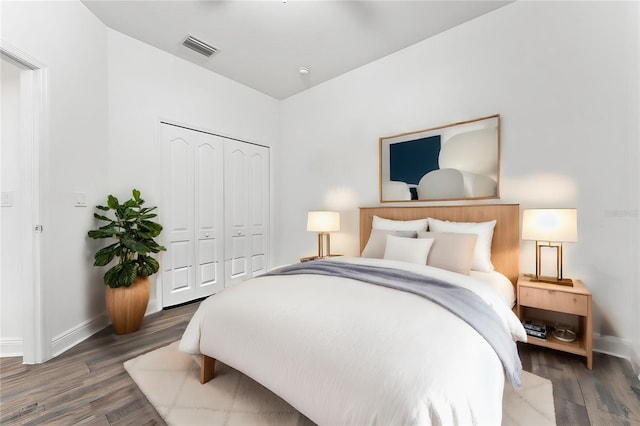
170,381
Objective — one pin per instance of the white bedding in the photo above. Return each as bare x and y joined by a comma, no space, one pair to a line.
500,284
344,352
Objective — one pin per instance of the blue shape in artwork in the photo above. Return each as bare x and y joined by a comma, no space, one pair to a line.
411,160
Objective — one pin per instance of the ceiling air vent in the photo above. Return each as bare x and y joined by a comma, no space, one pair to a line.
199,46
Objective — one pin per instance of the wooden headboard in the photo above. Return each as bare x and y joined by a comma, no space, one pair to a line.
505,247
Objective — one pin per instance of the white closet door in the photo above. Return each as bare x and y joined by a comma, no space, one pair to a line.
236,199
258,206
246,210
177,215
192,214
209,215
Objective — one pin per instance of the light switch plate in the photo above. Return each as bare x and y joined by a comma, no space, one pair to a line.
6,199
80,199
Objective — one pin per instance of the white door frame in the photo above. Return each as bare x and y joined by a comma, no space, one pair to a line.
33,85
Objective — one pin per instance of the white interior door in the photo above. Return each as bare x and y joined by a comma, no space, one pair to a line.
177,215
258,206
22,313
192,214
246,210
209,215
237,197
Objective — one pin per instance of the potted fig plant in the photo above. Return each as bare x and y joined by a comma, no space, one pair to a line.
127,282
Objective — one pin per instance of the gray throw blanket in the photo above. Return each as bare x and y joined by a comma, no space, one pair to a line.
460,301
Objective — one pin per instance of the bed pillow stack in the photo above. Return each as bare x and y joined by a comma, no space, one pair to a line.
455,246
378,241
396,239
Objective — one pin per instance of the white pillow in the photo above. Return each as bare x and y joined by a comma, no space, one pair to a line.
482,251
399,225
378,241
412,250
452,251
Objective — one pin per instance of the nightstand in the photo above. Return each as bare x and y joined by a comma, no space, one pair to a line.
551,303
308,258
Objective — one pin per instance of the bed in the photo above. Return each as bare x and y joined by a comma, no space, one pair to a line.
345,351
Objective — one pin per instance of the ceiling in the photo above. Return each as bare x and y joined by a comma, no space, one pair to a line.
263,44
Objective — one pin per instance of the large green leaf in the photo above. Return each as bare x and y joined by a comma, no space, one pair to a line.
121,275
105,255
144,236
136,195
136,246
154,247
147,210
112,202
120,211
152,228
97,216
131,204
147,265
129,214
104,232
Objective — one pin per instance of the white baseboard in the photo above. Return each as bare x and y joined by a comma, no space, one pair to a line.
11,347
154,306
77,334
611,345
83,331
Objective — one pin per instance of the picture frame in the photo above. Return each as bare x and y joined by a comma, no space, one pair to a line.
457,161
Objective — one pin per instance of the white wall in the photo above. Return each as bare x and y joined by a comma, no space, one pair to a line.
563,76
106,93
71,43
11,327
146,85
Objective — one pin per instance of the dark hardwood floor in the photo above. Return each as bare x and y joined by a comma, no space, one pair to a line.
88,384
605,396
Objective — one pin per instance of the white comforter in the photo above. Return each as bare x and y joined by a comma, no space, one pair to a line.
344,352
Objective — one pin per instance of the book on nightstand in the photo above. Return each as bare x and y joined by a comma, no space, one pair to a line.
535,329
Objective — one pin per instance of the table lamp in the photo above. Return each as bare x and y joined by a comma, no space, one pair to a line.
550,228
323,222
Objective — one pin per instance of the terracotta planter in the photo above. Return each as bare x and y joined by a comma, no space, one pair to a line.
127,305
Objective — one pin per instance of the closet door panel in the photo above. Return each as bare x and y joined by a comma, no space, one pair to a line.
259,208
177,219
209,214
236,198
247,210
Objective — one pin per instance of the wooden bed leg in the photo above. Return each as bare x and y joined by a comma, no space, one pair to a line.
207,367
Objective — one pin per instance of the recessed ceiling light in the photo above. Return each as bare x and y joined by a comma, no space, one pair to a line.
303,70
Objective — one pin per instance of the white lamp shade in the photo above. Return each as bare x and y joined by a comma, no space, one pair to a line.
553,225
323,221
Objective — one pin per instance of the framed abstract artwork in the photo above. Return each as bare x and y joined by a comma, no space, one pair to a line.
455,161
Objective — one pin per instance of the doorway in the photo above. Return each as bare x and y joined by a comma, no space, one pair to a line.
23,88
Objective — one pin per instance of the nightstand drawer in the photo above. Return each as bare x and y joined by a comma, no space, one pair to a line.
554,300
